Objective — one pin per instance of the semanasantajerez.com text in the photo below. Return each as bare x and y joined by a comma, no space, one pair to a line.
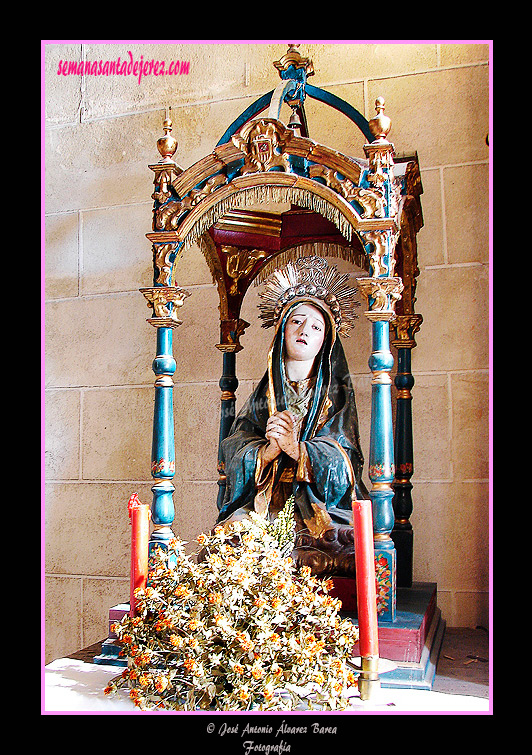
127,67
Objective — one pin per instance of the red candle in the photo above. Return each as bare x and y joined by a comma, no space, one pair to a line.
139,515
365,579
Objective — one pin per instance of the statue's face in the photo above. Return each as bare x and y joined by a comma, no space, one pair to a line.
304,333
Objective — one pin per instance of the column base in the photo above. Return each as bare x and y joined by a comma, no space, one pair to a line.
386,583
386,578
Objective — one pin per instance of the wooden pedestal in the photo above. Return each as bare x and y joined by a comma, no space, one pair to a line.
413,641
110,648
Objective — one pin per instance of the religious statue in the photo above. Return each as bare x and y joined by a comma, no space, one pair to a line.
297,434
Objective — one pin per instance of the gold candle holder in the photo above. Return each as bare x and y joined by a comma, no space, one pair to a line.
368,681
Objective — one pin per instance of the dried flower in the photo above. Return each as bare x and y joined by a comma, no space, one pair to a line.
241,629
161,683
257,671
268,691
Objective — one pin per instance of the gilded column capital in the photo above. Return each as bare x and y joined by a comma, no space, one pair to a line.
381,295
165,301
404,327
231,331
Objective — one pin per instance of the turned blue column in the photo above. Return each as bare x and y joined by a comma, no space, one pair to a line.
163,447
381,467
166,301
382,290
404,466
381,294
381,455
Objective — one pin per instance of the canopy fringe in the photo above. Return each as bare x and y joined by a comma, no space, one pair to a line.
263,194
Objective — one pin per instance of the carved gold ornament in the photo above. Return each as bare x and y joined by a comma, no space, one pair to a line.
378,240
380,151
379,159
231,331
159,298
167,216
163,180
262,142
371,200
405,327
161,259
240,263
385,292
293,57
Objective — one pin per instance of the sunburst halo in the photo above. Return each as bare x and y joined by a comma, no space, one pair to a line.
309,277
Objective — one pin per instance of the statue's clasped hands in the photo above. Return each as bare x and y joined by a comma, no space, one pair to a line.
281,432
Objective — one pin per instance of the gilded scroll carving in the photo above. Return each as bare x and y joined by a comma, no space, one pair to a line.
380,151
378,240
240,263
162,181
379,159
371,200
167,216
161,260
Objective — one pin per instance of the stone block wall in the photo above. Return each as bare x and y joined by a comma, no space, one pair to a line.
100,136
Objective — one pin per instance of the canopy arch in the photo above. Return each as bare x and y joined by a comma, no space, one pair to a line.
266,162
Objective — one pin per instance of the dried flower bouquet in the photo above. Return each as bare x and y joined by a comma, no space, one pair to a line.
242,629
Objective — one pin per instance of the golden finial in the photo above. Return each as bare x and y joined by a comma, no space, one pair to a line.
380,125
167,144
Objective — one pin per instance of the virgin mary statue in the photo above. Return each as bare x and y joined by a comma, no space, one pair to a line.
297,434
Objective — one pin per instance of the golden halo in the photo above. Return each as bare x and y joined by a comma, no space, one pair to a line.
314,278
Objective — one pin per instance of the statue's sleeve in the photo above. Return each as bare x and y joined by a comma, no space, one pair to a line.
240,454
304,466
264,477
328,470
